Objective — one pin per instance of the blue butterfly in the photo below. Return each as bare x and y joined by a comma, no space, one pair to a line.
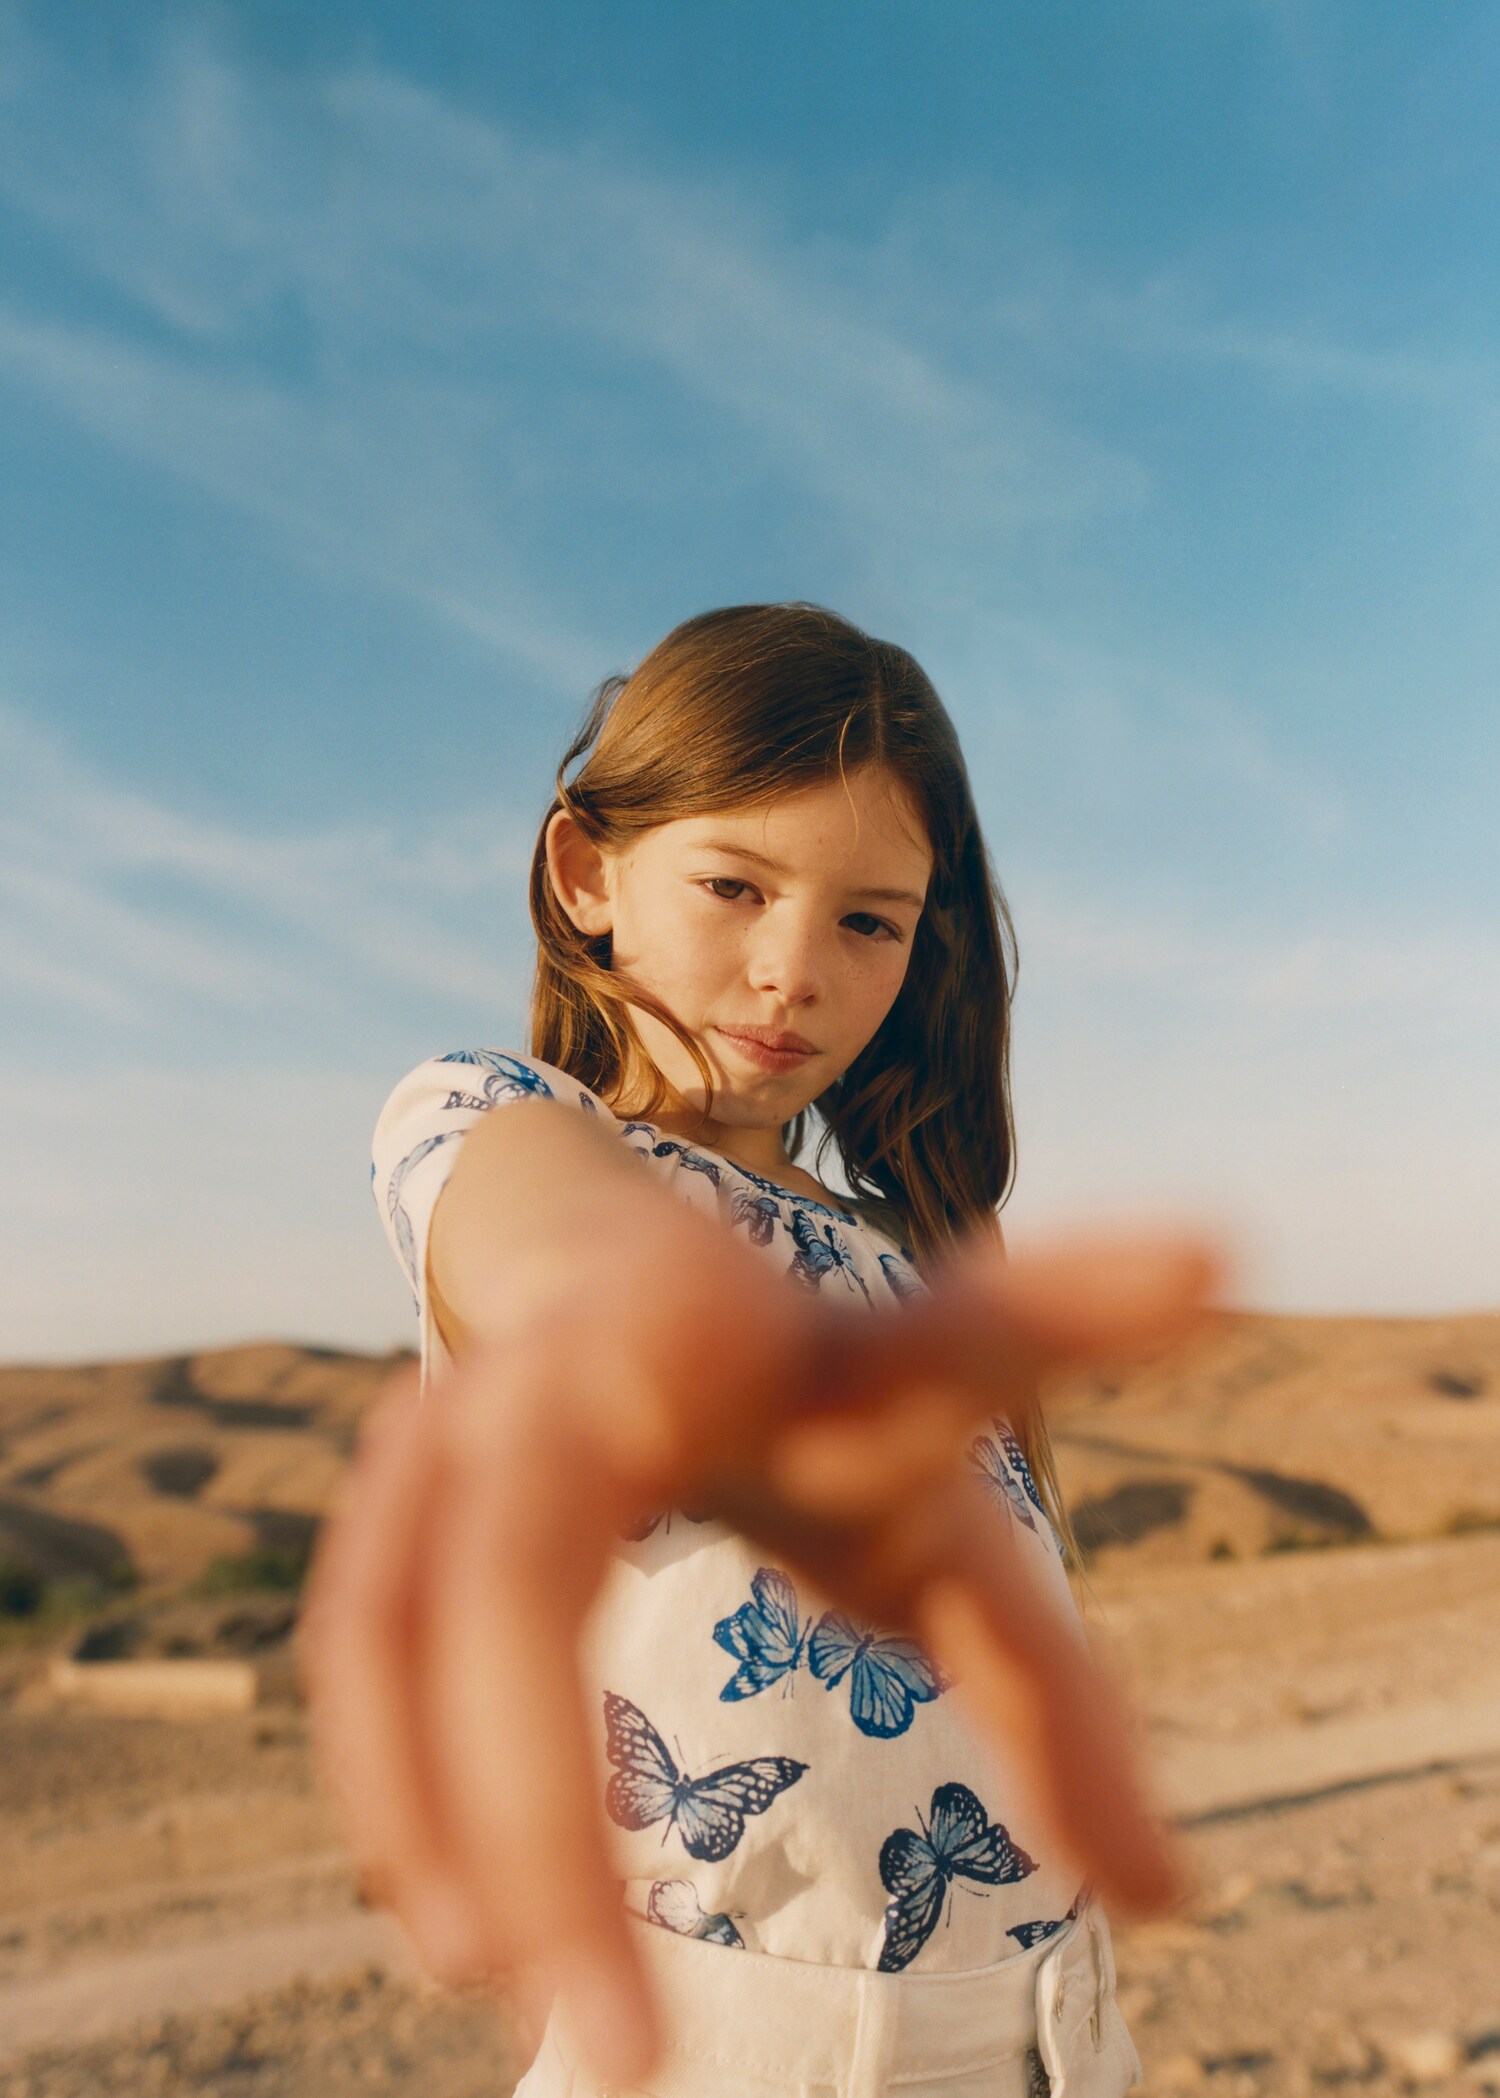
709,1813
902,1284
1028,1934
775,1187
1019,1466
818,1254
988,1459
960,1842
888,1676
396,1208
758,1213
674,1904
763,1635
509,1078
691,1161
814,1257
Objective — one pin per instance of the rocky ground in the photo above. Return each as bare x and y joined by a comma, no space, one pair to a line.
176,1915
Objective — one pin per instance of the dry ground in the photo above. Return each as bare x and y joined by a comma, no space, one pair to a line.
1348,1942
176,1916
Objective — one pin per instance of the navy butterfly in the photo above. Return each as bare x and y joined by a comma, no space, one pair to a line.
709,1813
396,1208
902,1284
509,1078
1028,1934
960,1842
691,1161
987,1457
888,1676
1019,1466
814,1258
764,1635
818,1254
674,1904
758,1214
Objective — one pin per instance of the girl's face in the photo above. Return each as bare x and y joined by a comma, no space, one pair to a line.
796,918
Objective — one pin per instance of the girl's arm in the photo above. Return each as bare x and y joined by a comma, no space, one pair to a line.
539,1195
619,1351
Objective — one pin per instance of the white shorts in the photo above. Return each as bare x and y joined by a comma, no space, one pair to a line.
743,2024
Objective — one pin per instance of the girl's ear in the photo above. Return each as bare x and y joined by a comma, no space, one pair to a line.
579,879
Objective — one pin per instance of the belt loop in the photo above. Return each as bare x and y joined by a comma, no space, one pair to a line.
874,2038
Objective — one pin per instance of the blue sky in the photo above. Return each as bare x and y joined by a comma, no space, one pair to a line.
373,384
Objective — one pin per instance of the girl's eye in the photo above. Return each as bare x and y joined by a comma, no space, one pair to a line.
875,926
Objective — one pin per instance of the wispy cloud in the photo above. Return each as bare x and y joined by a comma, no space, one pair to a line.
251,919
424,252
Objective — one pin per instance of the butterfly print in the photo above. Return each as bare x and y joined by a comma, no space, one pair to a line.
763,1635
709,1813
396,1209
820,1253
691,1161
1018,1464
509,1078
758,1213
902,1284
888,1676
674,1904
988,1459
959,1842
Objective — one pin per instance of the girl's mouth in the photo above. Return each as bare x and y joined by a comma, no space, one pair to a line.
763,1058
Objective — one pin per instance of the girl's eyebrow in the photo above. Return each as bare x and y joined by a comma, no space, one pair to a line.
759,859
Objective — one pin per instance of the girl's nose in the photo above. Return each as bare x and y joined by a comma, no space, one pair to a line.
787,964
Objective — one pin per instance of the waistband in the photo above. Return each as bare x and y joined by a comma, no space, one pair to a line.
798,2023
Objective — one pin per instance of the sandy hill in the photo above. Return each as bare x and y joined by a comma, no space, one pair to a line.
162,1465
1275,1433
1271,1433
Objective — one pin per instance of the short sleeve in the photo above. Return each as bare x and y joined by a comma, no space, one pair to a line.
416,1143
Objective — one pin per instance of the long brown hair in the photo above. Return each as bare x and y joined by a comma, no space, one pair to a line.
732,710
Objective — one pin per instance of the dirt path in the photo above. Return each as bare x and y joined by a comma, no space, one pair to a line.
1330,1721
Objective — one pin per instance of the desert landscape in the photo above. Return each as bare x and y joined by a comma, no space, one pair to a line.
1293,1539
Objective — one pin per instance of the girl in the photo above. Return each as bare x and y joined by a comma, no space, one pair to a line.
813,1813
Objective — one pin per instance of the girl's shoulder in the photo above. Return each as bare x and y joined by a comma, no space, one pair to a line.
460,1082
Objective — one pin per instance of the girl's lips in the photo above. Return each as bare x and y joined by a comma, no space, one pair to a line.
768,1059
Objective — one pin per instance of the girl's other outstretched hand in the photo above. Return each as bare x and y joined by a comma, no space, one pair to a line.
440,1640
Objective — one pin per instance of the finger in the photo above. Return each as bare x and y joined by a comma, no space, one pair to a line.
357,1673
841,1467
1024,1667
528,1523
1115,1294
990,1329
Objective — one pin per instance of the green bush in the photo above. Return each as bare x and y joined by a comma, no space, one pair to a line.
283,1569
22,1589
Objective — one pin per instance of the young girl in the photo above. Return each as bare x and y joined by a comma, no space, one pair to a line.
849,1857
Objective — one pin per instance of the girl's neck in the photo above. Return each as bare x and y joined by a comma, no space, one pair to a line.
754,1150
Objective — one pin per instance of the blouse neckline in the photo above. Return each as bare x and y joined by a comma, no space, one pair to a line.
775,1187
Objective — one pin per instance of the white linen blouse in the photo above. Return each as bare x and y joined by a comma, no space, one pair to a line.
775,1776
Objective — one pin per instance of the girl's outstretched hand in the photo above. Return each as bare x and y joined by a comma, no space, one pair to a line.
440,1638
